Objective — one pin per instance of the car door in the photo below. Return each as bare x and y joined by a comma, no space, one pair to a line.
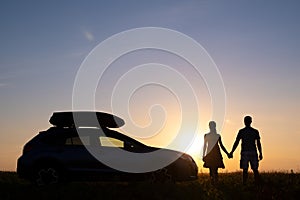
79,161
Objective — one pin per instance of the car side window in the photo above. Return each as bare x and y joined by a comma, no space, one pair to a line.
53,139
111,142
78,141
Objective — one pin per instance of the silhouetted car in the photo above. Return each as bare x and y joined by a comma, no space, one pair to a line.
59,154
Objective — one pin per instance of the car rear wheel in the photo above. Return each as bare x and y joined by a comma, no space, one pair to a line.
47,176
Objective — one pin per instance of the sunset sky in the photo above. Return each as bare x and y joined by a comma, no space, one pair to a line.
254,44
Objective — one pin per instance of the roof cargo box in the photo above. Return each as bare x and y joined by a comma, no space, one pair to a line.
85,119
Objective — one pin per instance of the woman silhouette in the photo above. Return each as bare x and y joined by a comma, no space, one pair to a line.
212,156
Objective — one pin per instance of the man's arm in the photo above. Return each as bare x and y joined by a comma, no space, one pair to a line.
236,143
259,149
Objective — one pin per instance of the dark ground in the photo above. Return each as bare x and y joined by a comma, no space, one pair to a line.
274,186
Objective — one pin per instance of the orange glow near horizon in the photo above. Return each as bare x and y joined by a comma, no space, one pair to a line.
274,150
253,49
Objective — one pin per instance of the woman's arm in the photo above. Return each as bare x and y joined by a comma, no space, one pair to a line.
204,146
222,146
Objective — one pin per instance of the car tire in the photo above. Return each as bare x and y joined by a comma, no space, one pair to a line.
47,175
162,176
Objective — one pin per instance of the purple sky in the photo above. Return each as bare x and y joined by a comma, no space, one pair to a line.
255,45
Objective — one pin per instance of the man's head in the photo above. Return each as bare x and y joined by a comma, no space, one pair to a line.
247,121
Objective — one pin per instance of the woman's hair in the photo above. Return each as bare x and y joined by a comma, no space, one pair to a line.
212,126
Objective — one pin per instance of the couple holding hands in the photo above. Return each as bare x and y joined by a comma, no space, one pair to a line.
212,156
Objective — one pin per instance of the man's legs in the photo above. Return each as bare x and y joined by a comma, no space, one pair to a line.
251,157
244,164
254,166
245,176
256,176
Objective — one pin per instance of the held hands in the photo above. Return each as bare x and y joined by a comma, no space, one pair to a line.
230,155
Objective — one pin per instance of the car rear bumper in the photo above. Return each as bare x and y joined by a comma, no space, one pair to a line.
23,169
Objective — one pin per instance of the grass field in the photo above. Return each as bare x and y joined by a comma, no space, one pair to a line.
274,186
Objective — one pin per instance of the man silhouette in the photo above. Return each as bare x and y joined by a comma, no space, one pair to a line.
250,139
